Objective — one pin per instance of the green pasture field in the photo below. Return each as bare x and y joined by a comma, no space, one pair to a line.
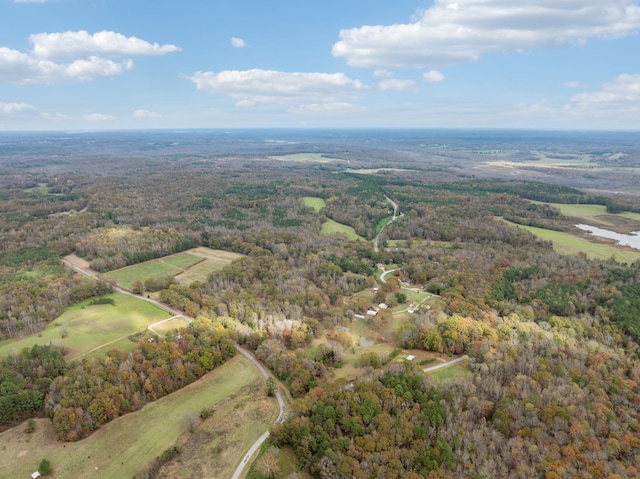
314,202
596,213
92,328
174,323
214,260
312,157
565,243
156,268
454,371
124,446
331,227
576,161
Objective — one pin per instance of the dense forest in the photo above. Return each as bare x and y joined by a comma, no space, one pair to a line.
553,382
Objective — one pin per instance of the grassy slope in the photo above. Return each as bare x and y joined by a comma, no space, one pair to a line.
123,447
314,202
332,227
93,326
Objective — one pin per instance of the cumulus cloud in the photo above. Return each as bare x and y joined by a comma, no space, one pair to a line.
433,76
395,84
454,31
269,86
98,117
572,84
144,114
12,108
69,44
381,73
624,90
74,56
238,42
18,67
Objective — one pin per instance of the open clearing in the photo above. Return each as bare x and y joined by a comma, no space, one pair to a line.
155,268
565,243
93,329
454,371
375,171
187,267
311,157
597,215
213,260
173,323
124,446
314,202
331,227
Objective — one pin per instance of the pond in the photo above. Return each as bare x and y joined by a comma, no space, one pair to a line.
632,239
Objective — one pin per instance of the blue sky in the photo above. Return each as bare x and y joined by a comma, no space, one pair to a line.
116,64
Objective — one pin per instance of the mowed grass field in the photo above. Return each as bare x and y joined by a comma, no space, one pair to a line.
192,265
565,243
213,260
595,213
88,328
156,268
331,227
123,447
314,202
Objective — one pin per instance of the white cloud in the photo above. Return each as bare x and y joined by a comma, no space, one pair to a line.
98,117
143,114
238,42
268,86
572,84
12,108
18,67
74,56
623,91
80,43
454,31
433,76
383,74
245,103
21,68
395,84
616,105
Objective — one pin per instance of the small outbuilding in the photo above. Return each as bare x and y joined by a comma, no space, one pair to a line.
36,475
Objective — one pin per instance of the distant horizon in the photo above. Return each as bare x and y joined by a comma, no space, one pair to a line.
322,128
73,65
